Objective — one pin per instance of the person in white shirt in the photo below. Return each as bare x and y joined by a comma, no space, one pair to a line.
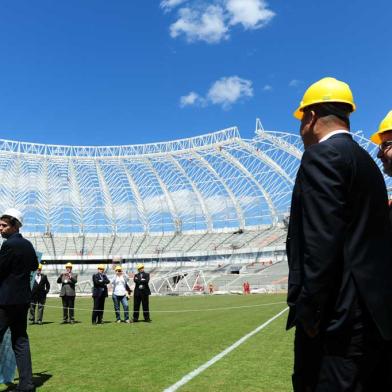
120,291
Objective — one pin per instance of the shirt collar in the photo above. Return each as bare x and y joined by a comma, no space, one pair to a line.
326,137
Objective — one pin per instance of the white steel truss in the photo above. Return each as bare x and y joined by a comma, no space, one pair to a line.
203,184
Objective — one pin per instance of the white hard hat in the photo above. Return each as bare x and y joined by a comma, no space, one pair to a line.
15,214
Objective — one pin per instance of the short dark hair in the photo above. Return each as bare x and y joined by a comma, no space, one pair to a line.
334,109
11,220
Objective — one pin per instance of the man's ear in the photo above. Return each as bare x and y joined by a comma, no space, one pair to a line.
312,118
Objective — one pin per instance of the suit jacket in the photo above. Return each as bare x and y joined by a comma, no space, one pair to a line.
141,280
67,284
100,282
17,260
339,239
39,290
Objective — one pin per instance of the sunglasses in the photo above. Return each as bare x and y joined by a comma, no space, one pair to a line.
385,145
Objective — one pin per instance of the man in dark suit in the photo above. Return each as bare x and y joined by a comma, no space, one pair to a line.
141,294
100,292
339,252
68,281
40,289
17,260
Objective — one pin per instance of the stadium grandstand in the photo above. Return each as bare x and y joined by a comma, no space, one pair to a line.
211,209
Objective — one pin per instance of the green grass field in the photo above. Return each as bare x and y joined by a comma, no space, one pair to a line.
151,357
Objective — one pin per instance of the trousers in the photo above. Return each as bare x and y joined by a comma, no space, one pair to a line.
355,360
137,300
15,318
68,307
99,305
33,305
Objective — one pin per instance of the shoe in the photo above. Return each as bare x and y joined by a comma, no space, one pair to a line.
39,322
118,321
148,321
31,322
64,322
24,390
72,322
129,321
135,321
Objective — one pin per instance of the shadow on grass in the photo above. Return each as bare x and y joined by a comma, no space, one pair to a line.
39,379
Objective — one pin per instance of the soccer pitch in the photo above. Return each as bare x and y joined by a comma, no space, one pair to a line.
186,332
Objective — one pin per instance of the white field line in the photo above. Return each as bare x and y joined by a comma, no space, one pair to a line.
215,359
180,310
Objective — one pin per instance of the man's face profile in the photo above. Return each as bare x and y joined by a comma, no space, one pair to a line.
6,230
385,152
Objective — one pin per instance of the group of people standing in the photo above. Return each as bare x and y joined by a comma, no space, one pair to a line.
339,249
121,293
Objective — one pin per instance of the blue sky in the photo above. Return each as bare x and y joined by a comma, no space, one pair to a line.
103,72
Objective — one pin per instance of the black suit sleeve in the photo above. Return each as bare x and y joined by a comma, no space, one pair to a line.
6,257
47,285
325,179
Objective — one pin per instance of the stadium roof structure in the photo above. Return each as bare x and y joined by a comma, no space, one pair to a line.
209,182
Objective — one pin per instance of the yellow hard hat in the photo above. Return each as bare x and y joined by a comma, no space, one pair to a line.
101,267
68,265
385,125
39,266
118,268
323,91
139,266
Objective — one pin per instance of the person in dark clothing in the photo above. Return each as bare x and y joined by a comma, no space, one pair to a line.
40,289
100,292
339,252
141,294
68,281
17,260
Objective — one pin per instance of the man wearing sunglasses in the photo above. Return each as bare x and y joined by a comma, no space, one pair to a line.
383,137
339,252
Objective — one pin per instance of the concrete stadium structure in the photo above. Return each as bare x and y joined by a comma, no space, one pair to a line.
210,205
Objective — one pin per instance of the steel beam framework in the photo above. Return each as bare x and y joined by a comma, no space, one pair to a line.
206,183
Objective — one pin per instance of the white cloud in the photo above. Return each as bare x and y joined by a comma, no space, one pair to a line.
207,25
227,91
211,21
267,87
252,14
169,4
191,99
294,83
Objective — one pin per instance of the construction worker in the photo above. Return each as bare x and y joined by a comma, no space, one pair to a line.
141,294
40,289
383,137
100,292
68,281
339,251
17,260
